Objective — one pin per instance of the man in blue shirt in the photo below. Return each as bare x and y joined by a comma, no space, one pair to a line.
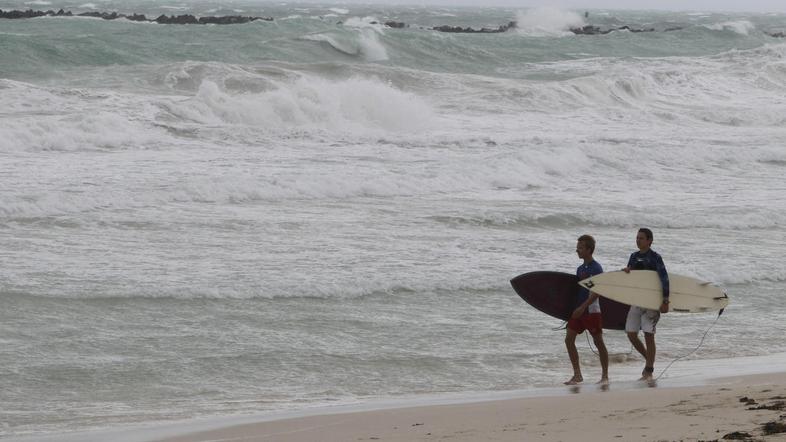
586,315
641,318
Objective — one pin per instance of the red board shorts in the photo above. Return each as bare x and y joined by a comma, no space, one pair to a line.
592,322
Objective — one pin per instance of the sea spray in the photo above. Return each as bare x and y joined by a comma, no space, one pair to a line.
547,21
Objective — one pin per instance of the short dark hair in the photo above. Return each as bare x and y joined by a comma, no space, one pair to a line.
647,232
589,242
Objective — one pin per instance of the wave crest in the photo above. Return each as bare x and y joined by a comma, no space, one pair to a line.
742,27
355,104
547,22
358,37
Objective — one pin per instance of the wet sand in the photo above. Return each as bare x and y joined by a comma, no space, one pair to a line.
738,406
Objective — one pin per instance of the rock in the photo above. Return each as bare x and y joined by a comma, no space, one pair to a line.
231,20
186,19
468,30
104,15
21,14
594,30
137,17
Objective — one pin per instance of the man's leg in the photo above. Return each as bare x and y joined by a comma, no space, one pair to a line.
633,337
604,357
570,343
649,338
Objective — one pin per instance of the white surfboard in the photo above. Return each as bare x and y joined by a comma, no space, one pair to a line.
643,288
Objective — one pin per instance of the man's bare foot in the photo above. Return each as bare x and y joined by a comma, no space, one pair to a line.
646,377
574,380
603,381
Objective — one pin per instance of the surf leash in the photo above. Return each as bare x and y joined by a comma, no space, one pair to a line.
695,349
589,343
564,326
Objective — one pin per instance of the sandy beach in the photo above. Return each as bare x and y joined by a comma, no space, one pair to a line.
741,408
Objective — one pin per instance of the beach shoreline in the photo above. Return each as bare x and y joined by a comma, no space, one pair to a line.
633,411
697,400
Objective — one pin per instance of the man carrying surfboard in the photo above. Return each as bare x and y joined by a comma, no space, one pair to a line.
641,318
586,315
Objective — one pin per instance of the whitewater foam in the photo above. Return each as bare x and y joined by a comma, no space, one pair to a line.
310,103
742,27
547,22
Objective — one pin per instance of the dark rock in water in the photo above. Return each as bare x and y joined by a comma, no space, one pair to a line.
231,20
588,30
104,15
776,34
395,24
186,19
594,30
21,14
468,30
447,28
137,17
676,28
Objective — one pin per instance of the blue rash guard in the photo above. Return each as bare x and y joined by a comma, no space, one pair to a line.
651,261
584,271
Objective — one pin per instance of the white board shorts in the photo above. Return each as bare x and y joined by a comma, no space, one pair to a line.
642,319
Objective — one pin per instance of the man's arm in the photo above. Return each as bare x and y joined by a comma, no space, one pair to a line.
584,305
664,277
664,282
630,263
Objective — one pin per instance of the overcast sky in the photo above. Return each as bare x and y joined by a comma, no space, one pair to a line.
673,5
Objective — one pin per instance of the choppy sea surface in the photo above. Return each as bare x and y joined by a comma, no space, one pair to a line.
210,220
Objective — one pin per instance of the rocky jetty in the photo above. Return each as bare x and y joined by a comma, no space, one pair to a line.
186,19
468,30
458,29
585,30
594,30
396,24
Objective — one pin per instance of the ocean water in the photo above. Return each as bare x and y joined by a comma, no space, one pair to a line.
200,221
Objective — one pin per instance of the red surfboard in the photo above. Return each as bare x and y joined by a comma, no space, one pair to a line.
554,293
